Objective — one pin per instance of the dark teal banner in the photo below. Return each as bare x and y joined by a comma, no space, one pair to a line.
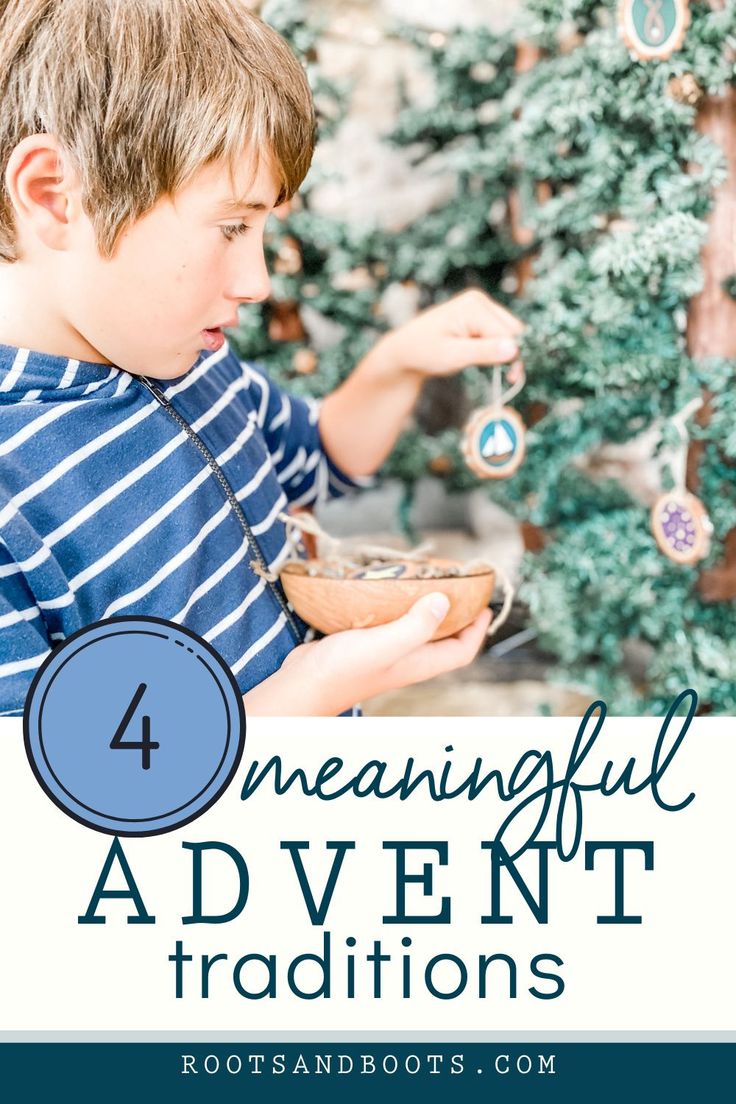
566,1072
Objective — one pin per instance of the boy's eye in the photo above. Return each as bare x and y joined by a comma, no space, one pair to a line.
232,231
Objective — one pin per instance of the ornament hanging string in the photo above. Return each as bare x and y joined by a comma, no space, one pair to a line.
499,397
677,458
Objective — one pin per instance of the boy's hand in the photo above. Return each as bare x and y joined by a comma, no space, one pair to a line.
469,329
329,676
360,421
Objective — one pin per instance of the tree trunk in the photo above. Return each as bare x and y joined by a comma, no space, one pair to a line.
711,330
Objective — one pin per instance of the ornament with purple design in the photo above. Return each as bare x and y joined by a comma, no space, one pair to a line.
681,527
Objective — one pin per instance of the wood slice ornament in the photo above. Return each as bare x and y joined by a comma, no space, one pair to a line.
653,29
681,527
679,520
494,441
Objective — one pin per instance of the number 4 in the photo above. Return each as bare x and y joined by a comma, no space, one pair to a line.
145,745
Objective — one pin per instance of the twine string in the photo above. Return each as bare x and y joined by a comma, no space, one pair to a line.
676,458
499,397
508,598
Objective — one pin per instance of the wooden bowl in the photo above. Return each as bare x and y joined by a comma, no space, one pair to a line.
333,605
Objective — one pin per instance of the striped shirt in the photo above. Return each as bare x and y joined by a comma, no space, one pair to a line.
108,507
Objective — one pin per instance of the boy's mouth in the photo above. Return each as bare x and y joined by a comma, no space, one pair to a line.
213,338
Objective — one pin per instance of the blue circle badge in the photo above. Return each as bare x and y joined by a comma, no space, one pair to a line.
134,726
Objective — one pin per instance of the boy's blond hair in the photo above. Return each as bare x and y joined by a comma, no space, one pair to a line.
142,94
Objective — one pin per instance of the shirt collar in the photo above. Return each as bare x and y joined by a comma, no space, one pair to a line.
23,371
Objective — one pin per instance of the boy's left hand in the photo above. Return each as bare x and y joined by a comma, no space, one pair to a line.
470,328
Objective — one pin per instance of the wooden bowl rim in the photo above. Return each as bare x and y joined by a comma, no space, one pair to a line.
398,579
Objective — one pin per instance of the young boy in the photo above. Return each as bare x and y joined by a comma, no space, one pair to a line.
142,467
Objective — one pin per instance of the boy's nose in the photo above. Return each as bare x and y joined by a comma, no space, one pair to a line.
252,282
251,291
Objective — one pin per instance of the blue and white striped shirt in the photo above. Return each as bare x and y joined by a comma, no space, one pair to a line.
108,507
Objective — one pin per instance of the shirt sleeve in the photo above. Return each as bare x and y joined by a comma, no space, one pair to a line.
290,426
24,643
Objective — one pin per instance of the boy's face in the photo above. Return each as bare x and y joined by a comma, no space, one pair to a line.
176,276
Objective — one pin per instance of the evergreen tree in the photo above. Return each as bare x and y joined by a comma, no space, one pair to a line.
628,186
613,185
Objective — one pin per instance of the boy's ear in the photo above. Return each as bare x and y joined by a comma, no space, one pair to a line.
43,190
